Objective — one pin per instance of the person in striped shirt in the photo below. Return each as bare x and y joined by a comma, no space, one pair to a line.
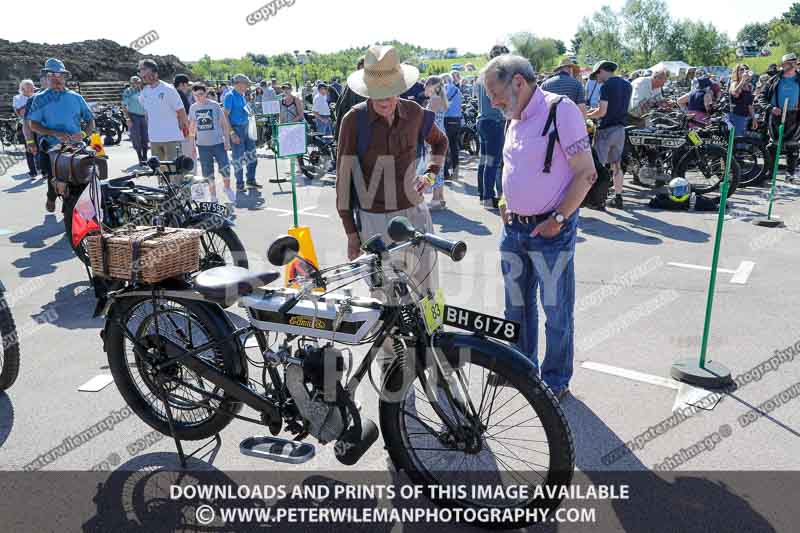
564,83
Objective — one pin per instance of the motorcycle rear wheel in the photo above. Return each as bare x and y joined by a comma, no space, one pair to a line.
184,322
704,168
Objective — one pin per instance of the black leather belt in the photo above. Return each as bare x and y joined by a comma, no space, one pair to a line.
529,219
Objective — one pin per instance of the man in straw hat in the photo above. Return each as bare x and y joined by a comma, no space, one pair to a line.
564,82
376,164
783,89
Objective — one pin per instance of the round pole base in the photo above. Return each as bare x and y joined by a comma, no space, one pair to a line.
713,376
769,223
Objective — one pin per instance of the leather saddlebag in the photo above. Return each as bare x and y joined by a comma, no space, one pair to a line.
76,165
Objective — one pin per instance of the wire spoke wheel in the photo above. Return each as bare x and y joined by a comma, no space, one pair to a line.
507,430
172,327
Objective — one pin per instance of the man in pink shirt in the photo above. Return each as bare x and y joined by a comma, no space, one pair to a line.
540,210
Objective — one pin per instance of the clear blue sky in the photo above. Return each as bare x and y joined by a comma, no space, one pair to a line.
191,29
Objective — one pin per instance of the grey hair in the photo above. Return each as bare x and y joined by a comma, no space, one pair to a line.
447,78
25,83
506,66
660,73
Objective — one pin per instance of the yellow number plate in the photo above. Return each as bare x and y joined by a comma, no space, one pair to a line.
695,138
433,312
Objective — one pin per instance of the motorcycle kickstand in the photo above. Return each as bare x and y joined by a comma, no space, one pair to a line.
171,422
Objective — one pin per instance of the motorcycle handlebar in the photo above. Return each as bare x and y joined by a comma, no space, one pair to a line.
401,230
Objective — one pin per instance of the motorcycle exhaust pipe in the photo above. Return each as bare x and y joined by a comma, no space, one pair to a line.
353,444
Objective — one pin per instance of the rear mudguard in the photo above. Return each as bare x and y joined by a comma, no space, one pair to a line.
176,290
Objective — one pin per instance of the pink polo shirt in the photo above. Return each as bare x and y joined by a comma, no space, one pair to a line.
527,189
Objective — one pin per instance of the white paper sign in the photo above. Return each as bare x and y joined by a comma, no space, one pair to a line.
271,107
291,139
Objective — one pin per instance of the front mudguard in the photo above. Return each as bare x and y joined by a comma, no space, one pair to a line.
207,221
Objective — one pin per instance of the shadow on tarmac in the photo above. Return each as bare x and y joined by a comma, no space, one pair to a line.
685,501
71,308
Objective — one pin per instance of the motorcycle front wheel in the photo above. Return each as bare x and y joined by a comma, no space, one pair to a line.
755,161
704,168
522,438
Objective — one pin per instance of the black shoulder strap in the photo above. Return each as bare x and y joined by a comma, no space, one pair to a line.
428,119
551,143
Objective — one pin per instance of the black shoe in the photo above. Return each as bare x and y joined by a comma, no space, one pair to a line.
254,185
240,188
563,393
615,202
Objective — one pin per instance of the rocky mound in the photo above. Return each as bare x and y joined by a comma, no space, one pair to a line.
98,60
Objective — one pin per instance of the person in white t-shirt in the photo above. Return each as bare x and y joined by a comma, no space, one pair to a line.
322,111
646,95
26,90
167,124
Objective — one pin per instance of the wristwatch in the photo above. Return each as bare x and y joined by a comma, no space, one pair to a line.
558,217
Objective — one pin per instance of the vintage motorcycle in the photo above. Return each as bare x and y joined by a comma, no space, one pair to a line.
655,155
454,408
110,125
9,351
469,127
125,202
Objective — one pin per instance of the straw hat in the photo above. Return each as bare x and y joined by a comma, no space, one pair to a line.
382,76
567,62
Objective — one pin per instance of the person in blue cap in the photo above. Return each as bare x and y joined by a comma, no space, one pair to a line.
55,115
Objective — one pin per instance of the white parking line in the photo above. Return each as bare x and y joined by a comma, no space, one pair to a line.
740,275
631,374
97,383
288,213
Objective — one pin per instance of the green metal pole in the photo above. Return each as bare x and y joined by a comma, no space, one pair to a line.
726,183
775,169
294,195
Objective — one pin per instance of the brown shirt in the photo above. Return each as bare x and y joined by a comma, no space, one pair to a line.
385,178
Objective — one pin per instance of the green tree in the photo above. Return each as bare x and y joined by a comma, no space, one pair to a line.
600,37
561,48
793,15
647,24
540,52
785,34
706,46
755,31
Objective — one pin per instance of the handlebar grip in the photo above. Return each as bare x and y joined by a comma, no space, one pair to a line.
455,250
289,304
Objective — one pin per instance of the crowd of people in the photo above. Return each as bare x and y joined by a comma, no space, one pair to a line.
398,138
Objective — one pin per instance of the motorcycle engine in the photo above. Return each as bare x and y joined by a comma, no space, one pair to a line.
316,389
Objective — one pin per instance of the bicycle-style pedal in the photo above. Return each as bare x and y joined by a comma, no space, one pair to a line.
277,449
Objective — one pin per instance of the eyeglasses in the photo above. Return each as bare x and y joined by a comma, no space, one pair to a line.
59,75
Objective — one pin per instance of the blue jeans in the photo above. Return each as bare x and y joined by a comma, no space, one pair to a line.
325,127
537,264
244,154
491,135
207,155
739,123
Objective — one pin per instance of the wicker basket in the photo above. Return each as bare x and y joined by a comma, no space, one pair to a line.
145,254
